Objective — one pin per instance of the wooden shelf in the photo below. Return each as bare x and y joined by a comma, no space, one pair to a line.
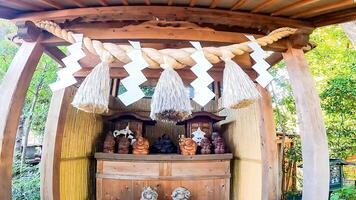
161,157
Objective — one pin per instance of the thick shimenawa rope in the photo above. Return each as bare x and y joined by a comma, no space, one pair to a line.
178,58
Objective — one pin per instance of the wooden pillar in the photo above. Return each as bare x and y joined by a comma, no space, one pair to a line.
311,126
13,92
52,144
269,154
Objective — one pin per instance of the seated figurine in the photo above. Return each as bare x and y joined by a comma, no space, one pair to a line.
205,146
109,143
123,145
219,145
187,146
163,145
141,146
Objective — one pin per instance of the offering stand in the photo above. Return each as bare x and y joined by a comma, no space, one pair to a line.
124,176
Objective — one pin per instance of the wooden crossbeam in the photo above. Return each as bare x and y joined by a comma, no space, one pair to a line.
56,54
263,5
24,5
238,4
53,4
171,13
293,6
335,17
326,8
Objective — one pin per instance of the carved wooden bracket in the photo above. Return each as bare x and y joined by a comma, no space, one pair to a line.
28,31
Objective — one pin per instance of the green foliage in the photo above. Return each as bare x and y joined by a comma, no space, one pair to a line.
346,193
339,103
25,181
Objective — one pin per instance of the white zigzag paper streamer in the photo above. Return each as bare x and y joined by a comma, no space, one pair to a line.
65,75
136,77
202,93
261,65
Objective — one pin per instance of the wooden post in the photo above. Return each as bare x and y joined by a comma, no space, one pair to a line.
269,154
13,91
52,144
312,129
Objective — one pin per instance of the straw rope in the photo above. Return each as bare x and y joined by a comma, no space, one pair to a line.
177,58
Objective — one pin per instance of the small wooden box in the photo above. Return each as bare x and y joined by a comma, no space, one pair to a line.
204,120
135,122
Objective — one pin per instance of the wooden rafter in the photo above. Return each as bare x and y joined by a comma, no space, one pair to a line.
238,4
148,2
326,8
103,2
7,13
263,5
79,3
214,3
53,4
56,54
169,2
22,4
192,3
293,6
125,2
335,17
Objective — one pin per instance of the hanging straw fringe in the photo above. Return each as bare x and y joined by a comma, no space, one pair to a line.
238,89
170,101
93,94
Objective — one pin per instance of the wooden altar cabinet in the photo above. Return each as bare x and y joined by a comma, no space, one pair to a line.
123,176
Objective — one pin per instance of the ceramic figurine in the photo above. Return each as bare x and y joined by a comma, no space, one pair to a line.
127,133
141,146
109,143
180,193
187,146
219,145
198,135
123,145
205,146
149,193
163,145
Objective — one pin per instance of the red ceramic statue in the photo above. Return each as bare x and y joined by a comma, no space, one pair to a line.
141,146
187,146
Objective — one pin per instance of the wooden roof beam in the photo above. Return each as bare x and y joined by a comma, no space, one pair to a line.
103,2
170,13
335,17
214,3
192,3
263,5
125,2
22,4
321,9
238,4
293,6
53,4
79,3
7,13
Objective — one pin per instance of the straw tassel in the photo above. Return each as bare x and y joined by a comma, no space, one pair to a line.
170,101
238,89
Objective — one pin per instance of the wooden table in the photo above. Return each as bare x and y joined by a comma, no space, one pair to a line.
123,176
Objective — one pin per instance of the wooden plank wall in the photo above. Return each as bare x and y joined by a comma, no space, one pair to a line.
77,166
242,135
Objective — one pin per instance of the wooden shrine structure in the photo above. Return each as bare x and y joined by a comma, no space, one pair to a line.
67,169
